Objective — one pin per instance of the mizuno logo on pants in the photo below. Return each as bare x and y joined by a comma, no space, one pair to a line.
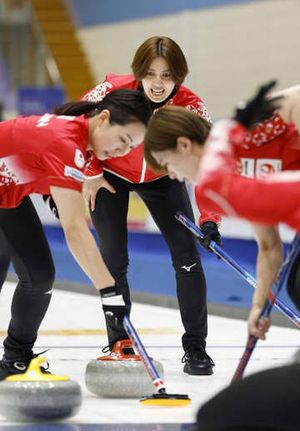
188,268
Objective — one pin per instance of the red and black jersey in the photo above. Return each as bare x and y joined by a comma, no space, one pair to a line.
133,167
37,152
271,146
272,199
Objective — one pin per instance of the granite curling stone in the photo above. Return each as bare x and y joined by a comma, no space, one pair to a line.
38,396
120,375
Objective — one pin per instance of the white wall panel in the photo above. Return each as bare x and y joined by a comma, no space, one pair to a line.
229,49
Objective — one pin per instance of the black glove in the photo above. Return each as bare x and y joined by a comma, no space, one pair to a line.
211,233
259,108
48,199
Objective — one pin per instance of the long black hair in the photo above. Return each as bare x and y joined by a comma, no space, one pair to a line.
125,106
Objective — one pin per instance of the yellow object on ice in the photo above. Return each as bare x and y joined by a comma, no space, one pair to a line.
34,373
167,401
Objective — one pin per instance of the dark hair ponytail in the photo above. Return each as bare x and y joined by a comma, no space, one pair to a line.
125,106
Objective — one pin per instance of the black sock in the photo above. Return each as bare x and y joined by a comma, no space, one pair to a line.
114,309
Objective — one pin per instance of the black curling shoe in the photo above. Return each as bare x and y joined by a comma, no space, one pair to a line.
9,368
196,361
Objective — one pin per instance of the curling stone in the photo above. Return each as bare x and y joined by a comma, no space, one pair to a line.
35,395
120,375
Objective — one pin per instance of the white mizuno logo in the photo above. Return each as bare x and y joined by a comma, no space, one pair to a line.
48,292
188,268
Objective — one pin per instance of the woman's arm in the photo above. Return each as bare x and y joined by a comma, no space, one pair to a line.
80,241
269,260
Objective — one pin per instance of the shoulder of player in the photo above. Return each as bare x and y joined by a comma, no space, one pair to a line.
267,131
111,82
185,96
120,81
61,130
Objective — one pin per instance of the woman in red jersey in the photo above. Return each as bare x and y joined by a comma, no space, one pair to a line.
266,401
175,140
159,69
46,154
269,147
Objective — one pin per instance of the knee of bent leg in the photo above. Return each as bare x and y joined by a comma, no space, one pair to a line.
42,278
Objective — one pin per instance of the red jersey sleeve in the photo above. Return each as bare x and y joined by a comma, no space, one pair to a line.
110,82
191,101
98,93
199,108
207,213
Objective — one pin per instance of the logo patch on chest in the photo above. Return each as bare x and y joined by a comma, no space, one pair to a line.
258,168
79,158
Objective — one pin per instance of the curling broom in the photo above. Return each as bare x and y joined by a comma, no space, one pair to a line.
161,398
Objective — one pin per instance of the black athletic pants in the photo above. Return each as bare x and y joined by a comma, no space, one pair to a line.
265,401
34,266
293,283
163,197
5,257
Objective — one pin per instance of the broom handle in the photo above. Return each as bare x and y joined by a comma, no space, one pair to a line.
252,340
136,341
284,308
